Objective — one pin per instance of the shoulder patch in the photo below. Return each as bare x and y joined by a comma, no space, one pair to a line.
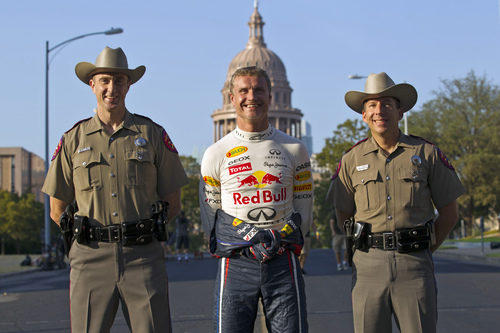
336,174
441,155
58,149
356,144
444,159
78,123
168,143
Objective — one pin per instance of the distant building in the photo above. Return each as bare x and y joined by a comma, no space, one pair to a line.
307,136
21,172
316,170
281,113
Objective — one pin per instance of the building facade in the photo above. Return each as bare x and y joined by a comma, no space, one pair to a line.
281,113
21,172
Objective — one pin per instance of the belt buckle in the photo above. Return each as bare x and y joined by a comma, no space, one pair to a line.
388,241
114,233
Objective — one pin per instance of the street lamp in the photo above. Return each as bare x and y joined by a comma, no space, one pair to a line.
357,77
111,31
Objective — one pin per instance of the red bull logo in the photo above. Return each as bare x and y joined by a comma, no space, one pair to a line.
264,196
259,179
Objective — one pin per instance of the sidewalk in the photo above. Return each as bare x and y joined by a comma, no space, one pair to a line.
472,253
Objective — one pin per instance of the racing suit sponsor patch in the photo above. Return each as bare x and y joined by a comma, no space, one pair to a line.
236,151
304,175
211,181
303,187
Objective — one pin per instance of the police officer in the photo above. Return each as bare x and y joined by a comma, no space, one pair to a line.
391,183
116,165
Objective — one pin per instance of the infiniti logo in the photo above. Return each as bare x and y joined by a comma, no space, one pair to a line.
274,152
256,213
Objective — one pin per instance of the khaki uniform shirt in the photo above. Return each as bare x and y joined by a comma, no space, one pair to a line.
395,191
114,178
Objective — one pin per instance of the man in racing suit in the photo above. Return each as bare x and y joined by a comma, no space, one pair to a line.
256,202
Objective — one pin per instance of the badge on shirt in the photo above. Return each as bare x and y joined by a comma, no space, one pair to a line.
140,142
416,160
168,143
58,149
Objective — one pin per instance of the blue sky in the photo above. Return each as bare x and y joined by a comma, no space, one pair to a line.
187,45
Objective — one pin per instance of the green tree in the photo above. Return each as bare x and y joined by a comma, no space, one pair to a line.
463,119
6,200
21,220
26,220
344,137
189,200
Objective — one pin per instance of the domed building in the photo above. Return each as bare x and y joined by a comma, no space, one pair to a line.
281,113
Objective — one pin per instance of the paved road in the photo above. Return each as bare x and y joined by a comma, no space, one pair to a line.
468,297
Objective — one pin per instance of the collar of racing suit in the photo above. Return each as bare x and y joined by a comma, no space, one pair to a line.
254,136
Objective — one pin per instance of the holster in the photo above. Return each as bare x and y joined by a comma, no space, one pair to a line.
360,236
349,243
160,220
66,223
81,230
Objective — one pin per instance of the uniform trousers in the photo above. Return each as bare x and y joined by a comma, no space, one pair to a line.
105,274
241,281
389,282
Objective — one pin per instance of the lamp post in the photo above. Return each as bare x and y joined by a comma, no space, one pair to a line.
357,77
111,31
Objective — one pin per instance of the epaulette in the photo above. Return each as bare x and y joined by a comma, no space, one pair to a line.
78,123
166,139
421,138
356,144
147,118
441,155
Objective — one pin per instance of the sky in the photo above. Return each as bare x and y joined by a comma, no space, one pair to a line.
187,45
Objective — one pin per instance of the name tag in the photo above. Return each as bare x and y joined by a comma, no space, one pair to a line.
362,167
84,149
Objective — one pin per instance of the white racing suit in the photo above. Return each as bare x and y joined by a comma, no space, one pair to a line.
261,179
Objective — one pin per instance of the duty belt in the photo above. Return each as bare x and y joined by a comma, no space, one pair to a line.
403,240
129,233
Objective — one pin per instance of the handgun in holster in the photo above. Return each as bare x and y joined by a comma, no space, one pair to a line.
349,242
66,223
160,213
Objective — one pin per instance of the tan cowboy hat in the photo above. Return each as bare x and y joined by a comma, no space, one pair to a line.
108,61
381,85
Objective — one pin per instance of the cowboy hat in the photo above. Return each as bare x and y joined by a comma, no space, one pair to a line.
108,61
381,85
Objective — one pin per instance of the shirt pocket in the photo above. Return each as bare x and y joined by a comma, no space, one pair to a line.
140,168
87,175
413,189
367,189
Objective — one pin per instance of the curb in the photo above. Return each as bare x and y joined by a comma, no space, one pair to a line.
7,275
476,258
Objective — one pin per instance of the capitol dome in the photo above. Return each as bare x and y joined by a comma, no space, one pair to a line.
281,113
